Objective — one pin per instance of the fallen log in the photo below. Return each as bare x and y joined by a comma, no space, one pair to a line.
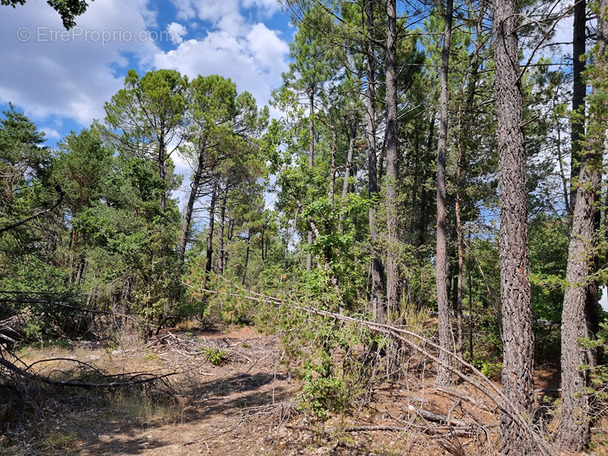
437,418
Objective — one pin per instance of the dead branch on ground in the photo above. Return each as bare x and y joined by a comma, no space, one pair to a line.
415,341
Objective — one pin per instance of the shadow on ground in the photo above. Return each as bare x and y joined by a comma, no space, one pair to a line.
216,401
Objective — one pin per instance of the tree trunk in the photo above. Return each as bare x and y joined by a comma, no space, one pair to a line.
518,339
464,147
392,251
334,170
460,249
246,257
311,160
578,96
377,290
222,252
441,277
210,228
574,428
189,210
263,246
162,170
580,298
352,136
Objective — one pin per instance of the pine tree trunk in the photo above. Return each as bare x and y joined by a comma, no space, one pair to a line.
333,170
578,95
311,160
441,277
377,289
392,253
352,136
222,249
189,210
210,229
518,340
464,147
162,170
460,248
244,277
579,313
574,428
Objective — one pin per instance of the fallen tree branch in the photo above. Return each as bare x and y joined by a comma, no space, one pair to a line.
135,380
437,418
484,385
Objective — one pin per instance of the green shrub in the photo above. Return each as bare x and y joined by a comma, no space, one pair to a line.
215,356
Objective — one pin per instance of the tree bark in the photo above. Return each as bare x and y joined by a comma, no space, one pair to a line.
334,169
244,277
574,429
162,170
460,251
444,377
579,313
377,289
578,96
210,228
189,210
518,339
222,251
352,136
311,160
392,251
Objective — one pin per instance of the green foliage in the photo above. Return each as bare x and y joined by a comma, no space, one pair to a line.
489,367
215,356
68,9
323,396
598,375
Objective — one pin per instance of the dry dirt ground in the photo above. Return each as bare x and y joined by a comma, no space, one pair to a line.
245,405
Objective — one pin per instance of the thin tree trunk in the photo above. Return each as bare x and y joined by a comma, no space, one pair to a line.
263,246
580,298
349,158
189,210
562,173
377,268
441,277
162,171
518,339
210,228
426,196
311,161
246,257
463,147
333,171
471,325
392,254
222,252
460,246
74,256
578,96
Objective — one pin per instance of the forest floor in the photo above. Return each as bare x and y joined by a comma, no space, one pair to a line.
245,405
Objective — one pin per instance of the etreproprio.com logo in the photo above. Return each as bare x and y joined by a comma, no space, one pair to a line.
78,34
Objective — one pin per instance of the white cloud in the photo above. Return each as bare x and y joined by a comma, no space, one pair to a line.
267,7
268,48
51,133
254,61
49,71
176,32
185,9
221,14
56,75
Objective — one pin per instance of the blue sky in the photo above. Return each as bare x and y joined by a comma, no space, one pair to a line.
62,79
